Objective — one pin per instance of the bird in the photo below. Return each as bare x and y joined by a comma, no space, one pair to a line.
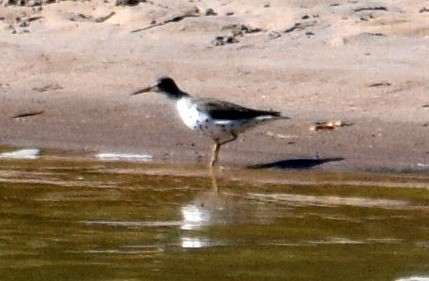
220,120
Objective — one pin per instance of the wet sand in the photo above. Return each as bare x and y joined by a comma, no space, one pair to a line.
74,64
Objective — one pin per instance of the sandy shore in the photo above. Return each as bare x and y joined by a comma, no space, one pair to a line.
361,62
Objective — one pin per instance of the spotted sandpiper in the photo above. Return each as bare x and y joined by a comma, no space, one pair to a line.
220,120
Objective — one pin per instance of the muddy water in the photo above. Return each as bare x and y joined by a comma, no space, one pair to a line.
75,219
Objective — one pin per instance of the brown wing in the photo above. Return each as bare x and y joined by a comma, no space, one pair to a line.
229,111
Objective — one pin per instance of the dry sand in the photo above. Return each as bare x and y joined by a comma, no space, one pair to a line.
362,62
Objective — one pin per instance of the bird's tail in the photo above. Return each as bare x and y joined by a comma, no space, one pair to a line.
278,115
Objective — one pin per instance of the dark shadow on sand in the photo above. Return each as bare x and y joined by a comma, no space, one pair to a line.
299,164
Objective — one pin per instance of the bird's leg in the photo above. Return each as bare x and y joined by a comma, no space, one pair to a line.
214,154
234,137
214,180
217,146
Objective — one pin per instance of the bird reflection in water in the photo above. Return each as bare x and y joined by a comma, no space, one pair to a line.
217,208
206,209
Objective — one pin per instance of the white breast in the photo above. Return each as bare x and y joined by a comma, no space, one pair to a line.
189,113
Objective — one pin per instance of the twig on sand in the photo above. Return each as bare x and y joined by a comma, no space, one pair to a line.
379,84
296,26
84,18
329,125
379,8
299,26
103,19
28,114
189,14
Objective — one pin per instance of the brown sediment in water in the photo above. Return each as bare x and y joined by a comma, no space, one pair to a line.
77,216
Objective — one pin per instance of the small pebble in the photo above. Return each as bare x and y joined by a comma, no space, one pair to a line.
223,40
23,24
274,35
210,12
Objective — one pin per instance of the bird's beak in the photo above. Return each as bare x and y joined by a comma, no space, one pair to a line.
145,90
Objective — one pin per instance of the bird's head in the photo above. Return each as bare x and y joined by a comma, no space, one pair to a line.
164,85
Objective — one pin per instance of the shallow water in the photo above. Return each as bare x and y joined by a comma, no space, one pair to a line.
79,219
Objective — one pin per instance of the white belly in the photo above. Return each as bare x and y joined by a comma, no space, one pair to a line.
189,114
